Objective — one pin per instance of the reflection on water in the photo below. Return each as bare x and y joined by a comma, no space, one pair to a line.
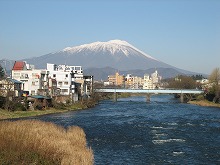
164,131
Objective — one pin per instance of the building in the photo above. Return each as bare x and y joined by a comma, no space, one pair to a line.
156,79
138,82
34,81
148,82
88,85
128,81
10,87
153,81
117,79
133,82
70,80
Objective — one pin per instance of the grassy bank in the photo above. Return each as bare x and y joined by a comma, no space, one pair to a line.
35,142
4,114
204,103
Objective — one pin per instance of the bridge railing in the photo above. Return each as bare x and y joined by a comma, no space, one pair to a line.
167,91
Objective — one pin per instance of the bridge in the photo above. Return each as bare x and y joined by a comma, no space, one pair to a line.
151,91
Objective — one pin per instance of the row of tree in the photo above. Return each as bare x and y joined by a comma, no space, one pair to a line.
189,82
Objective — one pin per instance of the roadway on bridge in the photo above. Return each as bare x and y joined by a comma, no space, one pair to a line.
156,91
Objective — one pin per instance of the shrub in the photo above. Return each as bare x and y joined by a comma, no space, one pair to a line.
36,142
200,97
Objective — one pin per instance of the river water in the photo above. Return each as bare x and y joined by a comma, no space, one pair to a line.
163,131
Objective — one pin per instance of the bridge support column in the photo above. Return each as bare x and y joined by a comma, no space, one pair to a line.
181,97
115,97
148,98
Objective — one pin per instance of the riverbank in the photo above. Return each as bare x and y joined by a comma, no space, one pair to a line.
205,103
4,114
37,142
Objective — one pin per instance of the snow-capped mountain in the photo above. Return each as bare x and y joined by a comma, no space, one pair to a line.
115,53
112,46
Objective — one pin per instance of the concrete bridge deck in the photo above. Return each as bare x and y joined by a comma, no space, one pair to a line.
151,91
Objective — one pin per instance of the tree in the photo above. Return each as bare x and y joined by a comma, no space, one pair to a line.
197,77
182,82
214,79
2,72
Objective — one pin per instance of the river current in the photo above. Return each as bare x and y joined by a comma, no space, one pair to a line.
163,131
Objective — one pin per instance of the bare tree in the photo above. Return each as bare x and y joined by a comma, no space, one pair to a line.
214,78
182,82
2,72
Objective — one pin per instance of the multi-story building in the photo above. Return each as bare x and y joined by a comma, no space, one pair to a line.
117,79
53,81
70,80
128,81
156,79
133,82
88,85
34,81
153,81
138,82
148,83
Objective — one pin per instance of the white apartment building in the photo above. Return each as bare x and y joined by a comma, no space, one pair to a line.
148,82
34,81
67,77
153,81
156,78
138,82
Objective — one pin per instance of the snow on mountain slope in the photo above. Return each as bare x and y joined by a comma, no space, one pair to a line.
114,53
112,46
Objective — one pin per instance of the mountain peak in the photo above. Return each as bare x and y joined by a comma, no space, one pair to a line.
117,54
119,42
112,46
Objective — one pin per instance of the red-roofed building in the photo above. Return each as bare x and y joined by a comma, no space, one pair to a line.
34,81
19,65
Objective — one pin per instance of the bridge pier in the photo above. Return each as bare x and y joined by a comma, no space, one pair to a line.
181,97
115,97
148,97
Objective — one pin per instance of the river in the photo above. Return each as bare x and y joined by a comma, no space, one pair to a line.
163,131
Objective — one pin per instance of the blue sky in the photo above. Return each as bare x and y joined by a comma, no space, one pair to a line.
182,33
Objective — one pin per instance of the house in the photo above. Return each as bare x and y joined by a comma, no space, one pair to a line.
10,87
70,80
34,81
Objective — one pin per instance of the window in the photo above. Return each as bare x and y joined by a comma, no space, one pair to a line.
66,75
60,83
54,75
77,68
65,83
64,90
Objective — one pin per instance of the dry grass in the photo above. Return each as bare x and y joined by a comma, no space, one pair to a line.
205,103
36,142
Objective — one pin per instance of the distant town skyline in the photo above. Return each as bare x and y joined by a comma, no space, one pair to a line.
185,34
